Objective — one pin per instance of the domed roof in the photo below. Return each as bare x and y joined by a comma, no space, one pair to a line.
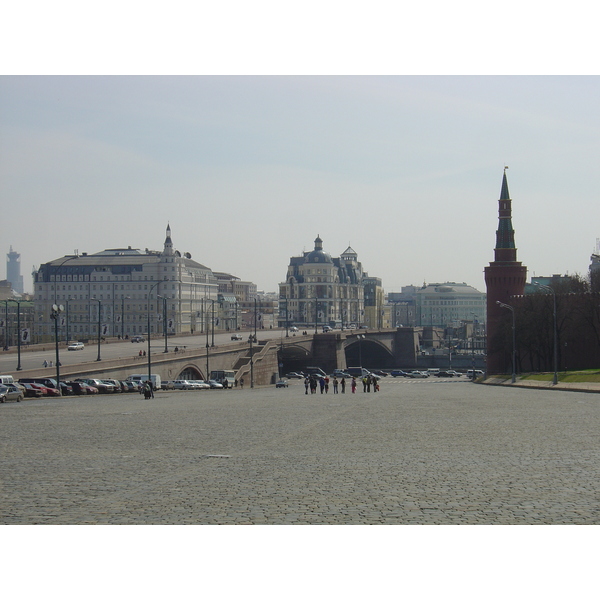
318,255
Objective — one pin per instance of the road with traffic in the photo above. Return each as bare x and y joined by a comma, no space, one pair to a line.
34,359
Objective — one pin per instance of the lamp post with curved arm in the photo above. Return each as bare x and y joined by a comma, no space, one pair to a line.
514,346
555,352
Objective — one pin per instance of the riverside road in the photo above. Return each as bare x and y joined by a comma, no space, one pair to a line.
417,452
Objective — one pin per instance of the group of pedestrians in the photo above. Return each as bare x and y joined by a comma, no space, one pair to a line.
312,382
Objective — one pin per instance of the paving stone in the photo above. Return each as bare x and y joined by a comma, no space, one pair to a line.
425,453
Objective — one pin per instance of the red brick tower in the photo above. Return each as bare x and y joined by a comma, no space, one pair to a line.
505,277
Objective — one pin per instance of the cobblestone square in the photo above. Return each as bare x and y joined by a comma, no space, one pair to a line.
418,452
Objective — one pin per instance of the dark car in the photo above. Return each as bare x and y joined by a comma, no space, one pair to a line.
379,372
281,383
65,389
444,374
32,392
398,373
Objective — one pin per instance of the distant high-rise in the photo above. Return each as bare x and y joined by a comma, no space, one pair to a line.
13,271
504,277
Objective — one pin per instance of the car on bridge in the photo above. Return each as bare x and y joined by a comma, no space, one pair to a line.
236,337
76,346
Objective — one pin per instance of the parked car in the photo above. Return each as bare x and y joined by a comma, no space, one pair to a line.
103,388
116,384
398,373
47,391
198,384
236,336
478,373
214,385
10,391
454,373
165,385
65,389
281,383
294,375
379,372
31,391
75,346
444,374
137,339
418,375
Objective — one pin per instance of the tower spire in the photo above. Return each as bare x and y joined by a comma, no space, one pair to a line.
505,250
168,250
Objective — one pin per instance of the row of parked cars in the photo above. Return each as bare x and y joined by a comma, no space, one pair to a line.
47,387
191,384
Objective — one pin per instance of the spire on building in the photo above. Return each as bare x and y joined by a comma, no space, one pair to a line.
505,250
168,251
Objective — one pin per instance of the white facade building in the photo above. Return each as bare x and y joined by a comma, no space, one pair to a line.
124,291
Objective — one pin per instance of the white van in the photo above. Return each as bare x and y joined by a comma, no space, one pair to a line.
4,379
137,379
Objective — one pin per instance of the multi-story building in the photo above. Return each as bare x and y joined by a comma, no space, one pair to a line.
321,290
124,291
402,305
448,304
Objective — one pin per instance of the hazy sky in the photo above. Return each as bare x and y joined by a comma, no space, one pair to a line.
249,169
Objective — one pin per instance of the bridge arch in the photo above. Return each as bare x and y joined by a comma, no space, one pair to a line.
373,354
294,358
191,371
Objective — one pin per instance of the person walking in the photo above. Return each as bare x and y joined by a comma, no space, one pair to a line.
313,385
343,384
45,363
364,382
242,383
335,385
322,383
353,385
306,383
326,385
368,383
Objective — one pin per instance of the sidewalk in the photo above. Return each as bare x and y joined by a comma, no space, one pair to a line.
544,385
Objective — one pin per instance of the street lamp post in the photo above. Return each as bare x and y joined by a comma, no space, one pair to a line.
514,346
56,310
251,339
547,287
316,314
18,303
99,325
163,298
212,339
123,316
473,348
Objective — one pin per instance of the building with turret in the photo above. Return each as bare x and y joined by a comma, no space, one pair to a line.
124,291
505,277
321,290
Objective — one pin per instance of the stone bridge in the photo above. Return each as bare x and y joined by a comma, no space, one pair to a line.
265,360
